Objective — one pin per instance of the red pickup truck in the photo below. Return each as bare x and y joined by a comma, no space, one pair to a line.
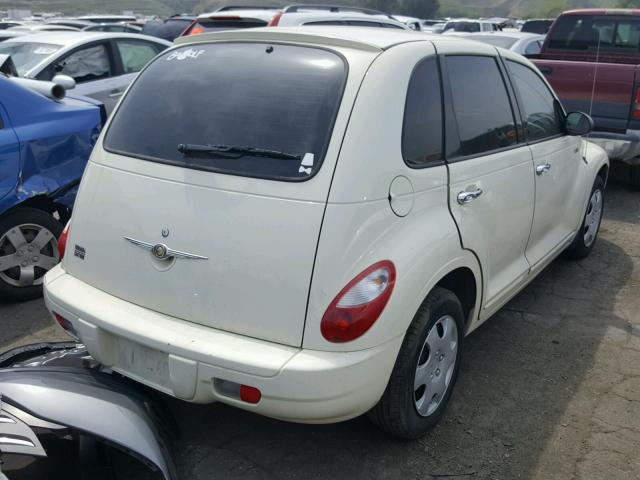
591,58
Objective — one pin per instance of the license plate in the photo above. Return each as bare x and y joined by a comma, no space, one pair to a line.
143,363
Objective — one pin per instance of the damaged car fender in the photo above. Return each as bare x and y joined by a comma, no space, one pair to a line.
41,398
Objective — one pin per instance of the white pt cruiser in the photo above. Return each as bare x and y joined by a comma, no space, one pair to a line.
305,223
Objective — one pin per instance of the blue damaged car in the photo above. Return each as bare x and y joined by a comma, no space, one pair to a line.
45,143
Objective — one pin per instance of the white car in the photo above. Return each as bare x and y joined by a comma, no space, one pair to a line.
463,26
102,64
314,241
229,18
519,42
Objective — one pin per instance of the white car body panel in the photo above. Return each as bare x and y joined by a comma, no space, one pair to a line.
279,252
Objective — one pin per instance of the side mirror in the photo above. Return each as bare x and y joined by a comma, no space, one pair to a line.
578,123
64,80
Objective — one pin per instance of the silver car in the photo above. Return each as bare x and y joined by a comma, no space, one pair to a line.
519,42
102,64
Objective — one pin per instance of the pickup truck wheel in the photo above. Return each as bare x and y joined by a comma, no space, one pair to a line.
586,237
426,369
28,249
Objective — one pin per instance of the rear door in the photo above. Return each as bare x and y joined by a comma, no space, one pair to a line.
93,69
244,226
491,171
557,157
130,56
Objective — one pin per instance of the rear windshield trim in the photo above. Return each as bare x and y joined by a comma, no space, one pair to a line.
173,163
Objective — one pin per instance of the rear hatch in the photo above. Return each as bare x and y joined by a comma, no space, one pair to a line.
215,158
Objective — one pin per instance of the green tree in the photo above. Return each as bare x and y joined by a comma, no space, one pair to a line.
419,8
628,4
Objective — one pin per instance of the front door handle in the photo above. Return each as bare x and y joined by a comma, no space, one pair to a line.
543,168
467,196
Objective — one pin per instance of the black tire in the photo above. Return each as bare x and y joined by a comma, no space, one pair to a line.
10,221
579,249
396,412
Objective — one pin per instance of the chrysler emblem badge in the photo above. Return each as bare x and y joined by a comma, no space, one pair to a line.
159,251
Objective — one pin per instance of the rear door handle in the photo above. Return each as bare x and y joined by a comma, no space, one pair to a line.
543,168
546,70
116,93
467,196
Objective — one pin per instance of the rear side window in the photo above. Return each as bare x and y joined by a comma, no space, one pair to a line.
422,127
590,33
542,112
228,98
135,54
481,106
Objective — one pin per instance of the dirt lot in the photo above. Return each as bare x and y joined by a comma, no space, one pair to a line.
549,389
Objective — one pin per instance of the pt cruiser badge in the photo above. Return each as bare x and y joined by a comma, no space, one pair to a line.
162,252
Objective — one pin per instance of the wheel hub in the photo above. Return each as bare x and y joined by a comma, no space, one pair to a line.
436,365
27,252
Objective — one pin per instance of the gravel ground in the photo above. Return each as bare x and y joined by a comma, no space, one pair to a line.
548,389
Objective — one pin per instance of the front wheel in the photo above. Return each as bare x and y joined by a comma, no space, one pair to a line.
426,369
586,236
28,249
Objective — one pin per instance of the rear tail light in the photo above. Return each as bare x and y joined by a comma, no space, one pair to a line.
62,241
275,20
244,393
635,110
356,308
66,325
194,29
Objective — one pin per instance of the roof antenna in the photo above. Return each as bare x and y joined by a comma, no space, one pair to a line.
593,88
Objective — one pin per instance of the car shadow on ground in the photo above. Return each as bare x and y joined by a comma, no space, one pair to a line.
519,372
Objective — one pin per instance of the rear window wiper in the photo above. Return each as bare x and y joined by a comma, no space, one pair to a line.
231,151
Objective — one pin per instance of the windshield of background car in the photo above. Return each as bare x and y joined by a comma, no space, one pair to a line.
25,55
504,42
463,27
280,98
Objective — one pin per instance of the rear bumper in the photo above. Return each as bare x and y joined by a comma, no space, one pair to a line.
182,359
619,146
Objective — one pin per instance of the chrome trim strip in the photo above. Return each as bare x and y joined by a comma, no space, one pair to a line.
169,252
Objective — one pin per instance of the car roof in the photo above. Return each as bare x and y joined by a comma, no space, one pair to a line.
517,35
70,39
300,18
265,15
363,38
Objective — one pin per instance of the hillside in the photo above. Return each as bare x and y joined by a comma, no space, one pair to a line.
517,8
514,8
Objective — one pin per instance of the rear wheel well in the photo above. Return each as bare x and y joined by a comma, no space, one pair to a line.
604,173
45,204
462,283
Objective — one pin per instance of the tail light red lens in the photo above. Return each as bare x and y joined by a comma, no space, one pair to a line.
66,325
356,308
275,20
62,241
635,111
250,394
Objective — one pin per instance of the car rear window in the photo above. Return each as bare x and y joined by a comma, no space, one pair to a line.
220,24
275,98
590,33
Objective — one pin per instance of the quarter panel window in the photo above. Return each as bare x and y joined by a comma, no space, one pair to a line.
539,106
422,127
481,105
135,54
